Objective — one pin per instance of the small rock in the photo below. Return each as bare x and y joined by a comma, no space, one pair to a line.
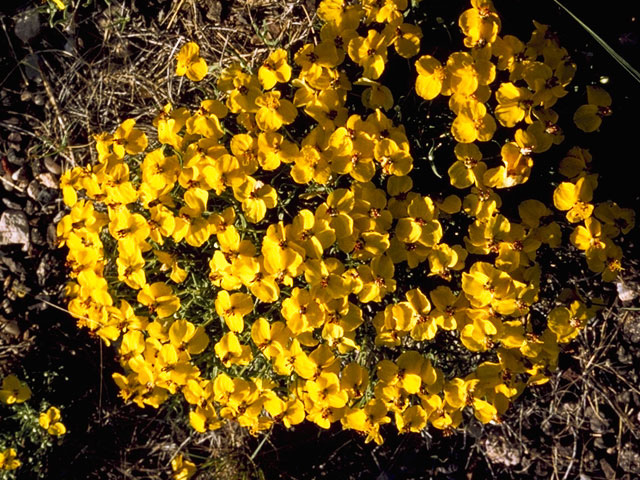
53,166
59,216
43,270
607,469
27,25
30,208
624,397
630,459
624,356
19,181
5,306
32,62
625,293
475,429
52,207
214,10
48,180
14,137
47,195
19,176
11,205
500,451
37,167
9,327
14,159
52,236
34,189
36,237
16,268
6,182
14,229
631,328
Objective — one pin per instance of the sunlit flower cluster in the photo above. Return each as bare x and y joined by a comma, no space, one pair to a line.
266,254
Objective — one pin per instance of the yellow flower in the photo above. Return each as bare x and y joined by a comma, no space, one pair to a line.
406,37
324,390
393,159
563,324
169,122
233,308
480,24
574,198
206,120
9,460
615,220
204,418
231,352
431,77
271,339
50,421
510,52
514,104
302,311
256,198
159,298
128,139
376,95
127,227
59,4
413,419
465,74
473,123
468,169
131,265
158,171
190,63
245,89
182,469
588,118
370,53
14,391
546,87
274,70
186,337
311,165
273,112
486,285
377,279
340,13
289,413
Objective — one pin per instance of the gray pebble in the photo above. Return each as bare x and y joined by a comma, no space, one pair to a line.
48,180
14,229
53,166
27,25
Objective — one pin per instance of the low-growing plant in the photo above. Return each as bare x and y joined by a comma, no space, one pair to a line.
27,434
279,252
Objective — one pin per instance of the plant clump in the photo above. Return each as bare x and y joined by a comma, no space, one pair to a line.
23,428
269,256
